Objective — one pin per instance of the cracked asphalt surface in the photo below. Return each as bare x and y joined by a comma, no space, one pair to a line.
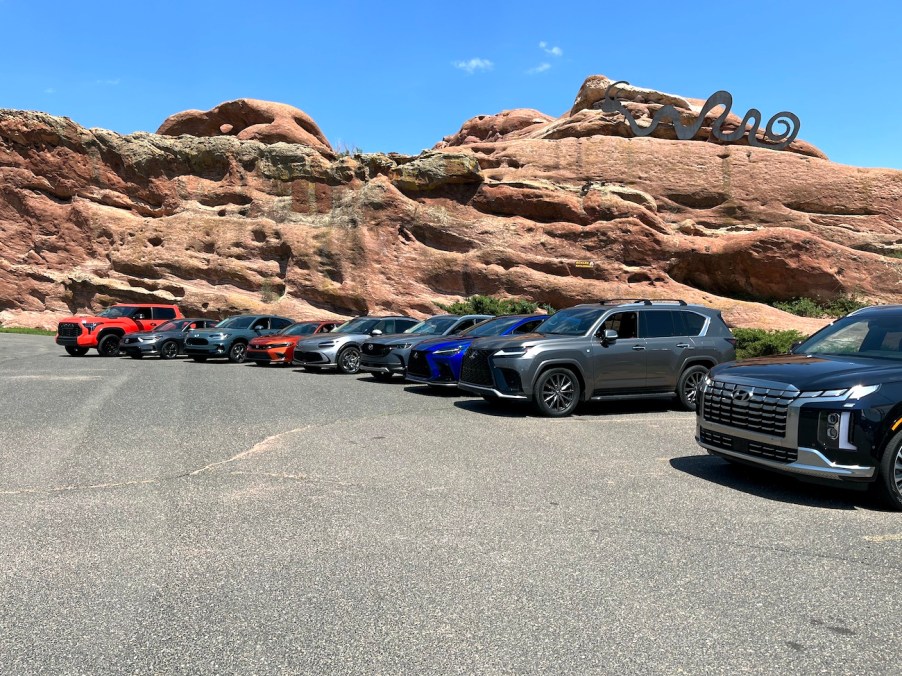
174,517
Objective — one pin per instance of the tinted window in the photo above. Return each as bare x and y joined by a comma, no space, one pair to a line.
164,313
694,323
657,324
494,327
572,322
402,325
387,326
117,311
300,329
279,323
624,323
433,326
170,326
464,325
529,327
235,323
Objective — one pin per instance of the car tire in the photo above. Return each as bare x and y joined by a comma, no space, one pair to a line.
199,359
384,377
169,350
348,360
109,346
889,478
556,393
76,351
238,352
687,386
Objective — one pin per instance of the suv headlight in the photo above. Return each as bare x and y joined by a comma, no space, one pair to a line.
449,351
148,339
402,346
218,336
861,391
512,351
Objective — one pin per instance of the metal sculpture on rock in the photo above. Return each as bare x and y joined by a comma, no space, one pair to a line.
789,124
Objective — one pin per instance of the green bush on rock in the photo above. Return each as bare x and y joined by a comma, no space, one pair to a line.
761,343
490,305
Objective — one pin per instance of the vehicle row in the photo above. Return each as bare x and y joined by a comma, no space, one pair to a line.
829,411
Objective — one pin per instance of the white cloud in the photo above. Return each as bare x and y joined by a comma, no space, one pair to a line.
50,90
541,68
552,51
471,66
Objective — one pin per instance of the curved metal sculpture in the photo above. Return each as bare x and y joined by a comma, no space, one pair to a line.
774,140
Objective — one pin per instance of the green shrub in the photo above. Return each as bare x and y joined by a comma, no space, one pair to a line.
32,332
761,343
490,305
818,307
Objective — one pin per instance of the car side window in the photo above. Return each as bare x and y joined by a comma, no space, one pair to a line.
528,327
624,323
387,326
463,326
260,324
657,324
402,325
141,313
694,323
163,313
279,323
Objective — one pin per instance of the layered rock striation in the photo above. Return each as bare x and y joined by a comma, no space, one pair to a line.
248,208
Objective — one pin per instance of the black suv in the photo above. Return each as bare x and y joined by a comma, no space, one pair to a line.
614,349
831,410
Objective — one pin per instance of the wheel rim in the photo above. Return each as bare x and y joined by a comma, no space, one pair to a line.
690,388
238,352
897,469
170,350
350,360
110,346
558,392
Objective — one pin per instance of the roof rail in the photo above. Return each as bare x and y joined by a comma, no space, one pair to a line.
643,301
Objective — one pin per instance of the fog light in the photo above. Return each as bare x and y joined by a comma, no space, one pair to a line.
832,433
833,419
834,430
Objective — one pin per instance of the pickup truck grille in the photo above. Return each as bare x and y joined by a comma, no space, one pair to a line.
68,330
197,341
746,447
476,369
375,349
417,365
759,409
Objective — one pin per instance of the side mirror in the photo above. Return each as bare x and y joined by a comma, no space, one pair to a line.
609,337
375,332
792,349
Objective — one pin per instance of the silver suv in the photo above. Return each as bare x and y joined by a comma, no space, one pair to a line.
615,349
341,348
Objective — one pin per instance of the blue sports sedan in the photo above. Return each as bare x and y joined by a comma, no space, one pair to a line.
437,361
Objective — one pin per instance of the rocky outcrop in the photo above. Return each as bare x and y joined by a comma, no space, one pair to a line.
250,120
518,204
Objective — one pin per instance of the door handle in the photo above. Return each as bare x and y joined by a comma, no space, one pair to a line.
682,345
638,347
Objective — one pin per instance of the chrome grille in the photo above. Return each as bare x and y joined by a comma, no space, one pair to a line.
759,409
476,368
68,330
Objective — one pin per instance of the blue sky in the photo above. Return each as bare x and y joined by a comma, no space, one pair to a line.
400,75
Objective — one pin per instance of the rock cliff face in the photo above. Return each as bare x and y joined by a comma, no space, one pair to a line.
248,208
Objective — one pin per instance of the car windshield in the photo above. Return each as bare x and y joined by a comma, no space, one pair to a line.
300,329
235,323
120,311
493,327
861,336
359,325
433,326
170,326
572,322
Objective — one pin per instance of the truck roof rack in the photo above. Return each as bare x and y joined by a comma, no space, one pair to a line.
643,301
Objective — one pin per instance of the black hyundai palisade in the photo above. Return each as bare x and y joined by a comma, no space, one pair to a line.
831,410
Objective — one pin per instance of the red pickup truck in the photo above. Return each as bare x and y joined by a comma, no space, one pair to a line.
105,330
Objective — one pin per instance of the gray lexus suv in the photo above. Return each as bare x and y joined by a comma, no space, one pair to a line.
615,349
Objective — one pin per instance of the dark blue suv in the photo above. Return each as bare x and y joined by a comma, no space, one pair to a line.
437,362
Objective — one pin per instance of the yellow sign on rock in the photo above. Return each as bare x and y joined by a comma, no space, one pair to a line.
585,264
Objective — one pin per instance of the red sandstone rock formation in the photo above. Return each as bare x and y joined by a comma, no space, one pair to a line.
514,204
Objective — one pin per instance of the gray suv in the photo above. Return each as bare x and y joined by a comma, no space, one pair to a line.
618,349
341,348
387,355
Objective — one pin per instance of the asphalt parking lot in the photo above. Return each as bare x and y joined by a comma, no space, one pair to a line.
175,517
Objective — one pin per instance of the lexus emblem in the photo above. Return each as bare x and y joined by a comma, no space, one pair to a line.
742,395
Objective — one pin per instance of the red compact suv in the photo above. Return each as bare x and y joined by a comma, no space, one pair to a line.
278,348
105,330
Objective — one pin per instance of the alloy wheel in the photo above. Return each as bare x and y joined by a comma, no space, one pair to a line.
169,350
558,392
897,469
350,360
690,387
